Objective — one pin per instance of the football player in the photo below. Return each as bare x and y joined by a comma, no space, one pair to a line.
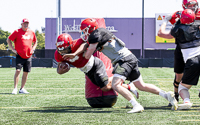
186,32
126,64
72,52
178,58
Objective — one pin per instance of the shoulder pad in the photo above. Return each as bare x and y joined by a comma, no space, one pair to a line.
197,22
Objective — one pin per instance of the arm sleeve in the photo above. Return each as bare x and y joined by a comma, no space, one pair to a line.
34,37
13,36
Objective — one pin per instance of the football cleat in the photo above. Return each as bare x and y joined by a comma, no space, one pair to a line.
136,109
172,100
186,105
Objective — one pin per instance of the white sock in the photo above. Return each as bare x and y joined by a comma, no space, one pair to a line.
187,100
133,102
163,94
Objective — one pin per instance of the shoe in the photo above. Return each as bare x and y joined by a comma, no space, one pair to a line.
186,105
172,100
23,91
176,97
137,108
14,91
134,90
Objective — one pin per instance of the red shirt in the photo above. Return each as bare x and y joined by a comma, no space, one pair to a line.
79,61
23,42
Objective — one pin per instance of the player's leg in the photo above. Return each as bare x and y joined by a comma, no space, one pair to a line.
26,70
24,79
16,80
17,73
121,72
177,80
179,65
185,95
190,77
131,87
139,83
117,86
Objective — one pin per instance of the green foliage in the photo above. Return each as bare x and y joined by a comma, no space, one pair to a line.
2,46
3,36
40,39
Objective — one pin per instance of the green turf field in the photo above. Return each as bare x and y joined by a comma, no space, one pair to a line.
60,99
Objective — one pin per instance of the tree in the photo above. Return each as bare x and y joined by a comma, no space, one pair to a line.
40,39
3,36
2,46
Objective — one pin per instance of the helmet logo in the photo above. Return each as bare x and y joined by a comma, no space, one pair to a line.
59,43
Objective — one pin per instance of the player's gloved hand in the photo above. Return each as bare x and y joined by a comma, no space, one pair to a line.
175,17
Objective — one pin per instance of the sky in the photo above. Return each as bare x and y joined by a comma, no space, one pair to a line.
13,11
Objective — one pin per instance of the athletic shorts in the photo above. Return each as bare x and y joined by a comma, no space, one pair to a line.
25,63
127,67
179,63
192,71
98,74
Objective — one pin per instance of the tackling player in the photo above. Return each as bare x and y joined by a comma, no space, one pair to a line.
126,64
72,52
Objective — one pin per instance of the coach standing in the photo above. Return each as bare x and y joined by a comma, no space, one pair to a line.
25,43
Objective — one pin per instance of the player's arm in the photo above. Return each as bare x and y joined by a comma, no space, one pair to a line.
34,45
164,34
81,49
90,50
61,69
11,46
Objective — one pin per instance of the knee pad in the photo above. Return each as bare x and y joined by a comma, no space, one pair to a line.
181,87
176,83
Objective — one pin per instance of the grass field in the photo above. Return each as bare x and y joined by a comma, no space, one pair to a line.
60,99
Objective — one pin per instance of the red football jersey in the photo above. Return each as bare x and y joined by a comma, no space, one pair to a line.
79,61
23,42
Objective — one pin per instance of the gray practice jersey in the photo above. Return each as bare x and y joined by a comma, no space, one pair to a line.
109,45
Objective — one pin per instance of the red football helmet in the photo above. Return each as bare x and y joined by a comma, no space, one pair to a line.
187,16
88,26
190,2
64,43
